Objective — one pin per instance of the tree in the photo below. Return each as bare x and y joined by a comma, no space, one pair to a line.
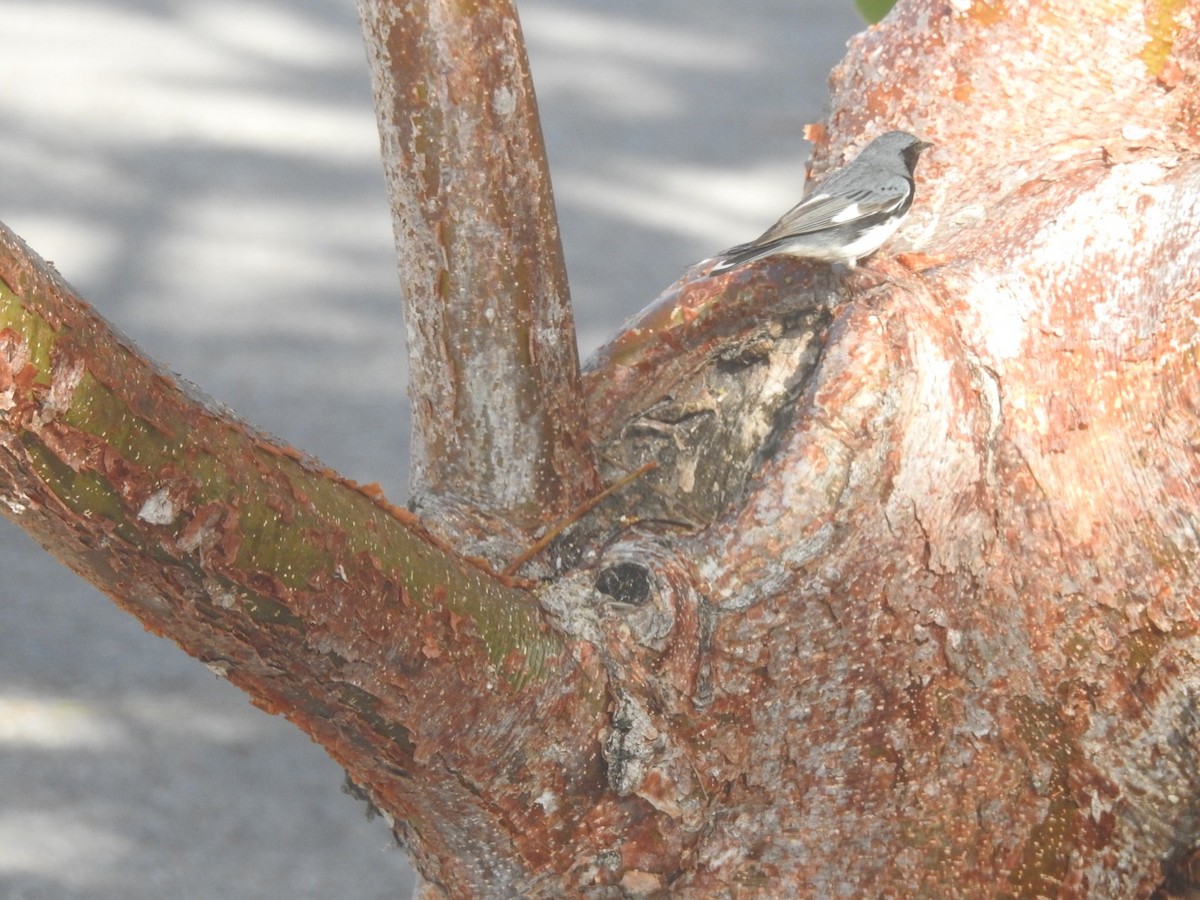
895,567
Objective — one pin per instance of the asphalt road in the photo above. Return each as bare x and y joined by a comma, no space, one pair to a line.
206,174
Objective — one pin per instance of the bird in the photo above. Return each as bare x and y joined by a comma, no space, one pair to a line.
848,215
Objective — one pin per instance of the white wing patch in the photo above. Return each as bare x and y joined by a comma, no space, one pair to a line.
849,214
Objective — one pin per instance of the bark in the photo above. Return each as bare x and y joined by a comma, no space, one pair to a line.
954,611
908,603
433,681
494,374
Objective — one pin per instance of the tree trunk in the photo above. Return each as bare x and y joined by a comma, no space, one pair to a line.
894,588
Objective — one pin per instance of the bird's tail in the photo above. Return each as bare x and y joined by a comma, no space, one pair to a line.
742,254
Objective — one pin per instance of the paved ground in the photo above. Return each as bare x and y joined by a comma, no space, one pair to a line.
206,174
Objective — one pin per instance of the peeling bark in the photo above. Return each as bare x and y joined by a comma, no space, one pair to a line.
434,682
907,605
494,380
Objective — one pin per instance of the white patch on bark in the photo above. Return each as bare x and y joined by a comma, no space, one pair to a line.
159,508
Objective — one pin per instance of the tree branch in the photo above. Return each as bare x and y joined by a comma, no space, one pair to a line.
432,681
497,417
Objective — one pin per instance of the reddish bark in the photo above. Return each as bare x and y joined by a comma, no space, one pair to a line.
417,670
908,605
494,375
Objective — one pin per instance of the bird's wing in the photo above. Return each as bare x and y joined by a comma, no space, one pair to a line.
824,210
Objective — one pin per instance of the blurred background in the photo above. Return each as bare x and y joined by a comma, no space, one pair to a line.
206,173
